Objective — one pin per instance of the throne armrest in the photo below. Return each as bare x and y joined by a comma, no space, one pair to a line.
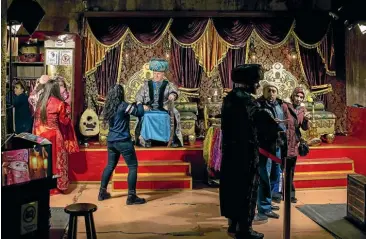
187,107
318,106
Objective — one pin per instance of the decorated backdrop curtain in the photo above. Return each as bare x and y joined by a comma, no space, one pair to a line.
233,58
185,68
107,72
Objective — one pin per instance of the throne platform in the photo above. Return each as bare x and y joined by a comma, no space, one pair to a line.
172,169
162,168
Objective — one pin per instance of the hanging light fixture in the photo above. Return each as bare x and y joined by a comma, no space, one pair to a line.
252,52
293,52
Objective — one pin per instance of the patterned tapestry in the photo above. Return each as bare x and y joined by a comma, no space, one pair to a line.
336,103
136,55
267,55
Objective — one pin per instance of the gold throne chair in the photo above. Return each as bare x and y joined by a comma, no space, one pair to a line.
188,110
322,122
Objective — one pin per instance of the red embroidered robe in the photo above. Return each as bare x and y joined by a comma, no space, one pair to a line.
59,130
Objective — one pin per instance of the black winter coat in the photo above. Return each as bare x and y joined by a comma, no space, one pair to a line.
241,122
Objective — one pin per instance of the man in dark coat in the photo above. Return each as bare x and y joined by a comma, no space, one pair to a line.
242,121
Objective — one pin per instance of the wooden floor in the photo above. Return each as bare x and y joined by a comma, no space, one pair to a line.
188,213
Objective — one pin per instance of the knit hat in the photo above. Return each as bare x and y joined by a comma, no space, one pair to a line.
270,84
298,90
247,74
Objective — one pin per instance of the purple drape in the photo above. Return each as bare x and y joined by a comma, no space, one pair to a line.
107,72
234,31
313,66
188,30
273,31
185,68
233,58
147,31
108,30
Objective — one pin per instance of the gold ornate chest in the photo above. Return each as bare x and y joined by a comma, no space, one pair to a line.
356,197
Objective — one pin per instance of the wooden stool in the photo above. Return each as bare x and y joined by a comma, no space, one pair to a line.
81,209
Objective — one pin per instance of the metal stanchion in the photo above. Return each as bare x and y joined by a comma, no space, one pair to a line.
289,166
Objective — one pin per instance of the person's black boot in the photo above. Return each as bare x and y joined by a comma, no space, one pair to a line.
103,194
132,199
148,144
250,234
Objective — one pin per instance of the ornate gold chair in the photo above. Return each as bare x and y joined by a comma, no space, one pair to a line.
322,123
188,110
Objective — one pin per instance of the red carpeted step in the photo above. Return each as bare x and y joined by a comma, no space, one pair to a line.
325,165
152,183
171,168
321,179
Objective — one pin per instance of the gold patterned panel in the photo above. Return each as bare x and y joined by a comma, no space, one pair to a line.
284,80
134,84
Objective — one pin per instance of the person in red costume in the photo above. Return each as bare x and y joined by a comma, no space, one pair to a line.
52,121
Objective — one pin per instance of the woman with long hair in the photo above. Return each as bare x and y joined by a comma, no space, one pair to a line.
35,95
116,114
50,116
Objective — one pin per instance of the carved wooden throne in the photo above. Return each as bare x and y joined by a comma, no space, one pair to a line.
323,122
188,110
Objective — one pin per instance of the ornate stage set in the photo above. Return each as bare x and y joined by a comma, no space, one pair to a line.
201,53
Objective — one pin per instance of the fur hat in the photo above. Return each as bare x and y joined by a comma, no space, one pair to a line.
159,65
247,74
270,84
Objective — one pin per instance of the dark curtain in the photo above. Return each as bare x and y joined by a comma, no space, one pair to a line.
233,58
312,29
234,31
185,68
188,30
147,31
108,30
107,72
313,66
273,31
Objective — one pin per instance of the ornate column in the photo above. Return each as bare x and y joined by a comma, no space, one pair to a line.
4,8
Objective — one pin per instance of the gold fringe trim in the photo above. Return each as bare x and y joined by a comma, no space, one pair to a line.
204,48
141,44
102,44
185,45
247,52
300,63
326,65
277,45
